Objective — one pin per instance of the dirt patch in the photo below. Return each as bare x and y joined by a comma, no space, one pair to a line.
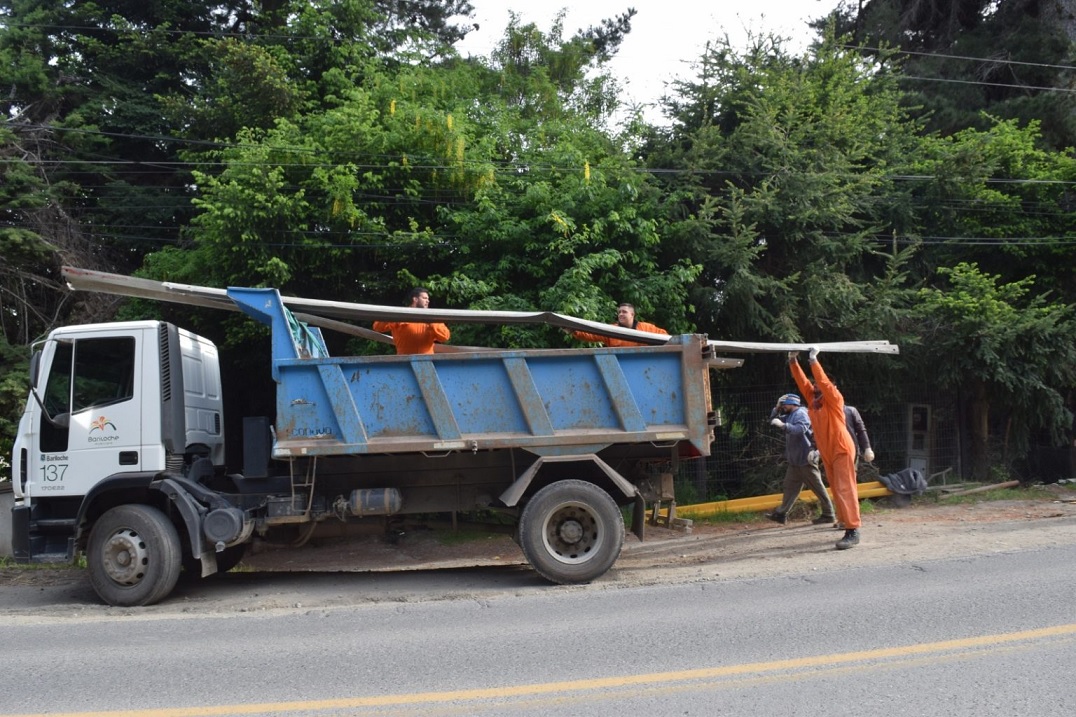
882,525
420,565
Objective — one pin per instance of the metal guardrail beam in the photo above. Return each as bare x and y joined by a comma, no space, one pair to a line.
873,489
192,295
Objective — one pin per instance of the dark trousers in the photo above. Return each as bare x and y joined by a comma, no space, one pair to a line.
796,477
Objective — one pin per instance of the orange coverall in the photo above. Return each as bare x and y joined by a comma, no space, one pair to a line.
835,444
413,338
619,343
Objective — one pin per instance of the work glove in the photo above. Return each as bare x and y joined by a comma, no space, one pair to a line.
812,355
868,455
812,458
793,355
778,423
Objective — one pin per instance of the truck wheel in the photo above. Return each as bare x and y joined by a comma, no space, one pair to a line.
571,531
133,556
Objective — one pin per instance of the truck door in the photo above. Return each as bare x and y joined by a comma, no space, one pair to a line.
91,395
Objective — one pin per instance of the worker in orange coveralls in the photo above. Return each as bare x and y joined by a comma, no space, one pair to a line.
414,337
625,319
825,406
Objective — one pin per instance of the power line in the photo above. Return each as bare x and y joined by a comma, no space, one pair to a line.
508,168
248,35
256,34
326,240
991,60
1064,90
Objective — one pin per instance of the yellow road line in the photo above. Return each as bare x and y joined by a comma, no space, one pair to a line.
644,680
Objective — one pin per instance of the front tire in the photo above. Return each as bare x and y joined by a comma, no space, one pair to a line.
133,555
571,532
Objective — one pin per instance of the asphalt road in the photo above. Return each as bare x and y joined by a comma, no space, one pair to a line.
983,635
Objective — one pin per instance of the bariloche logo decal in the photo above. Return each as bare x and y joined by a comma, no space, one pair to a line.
100,424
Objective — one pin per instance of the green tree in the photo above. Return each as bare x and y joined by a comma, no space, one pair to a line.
965,58
104,104
496,187
14,378
102,98
1008,352
997,198
785,190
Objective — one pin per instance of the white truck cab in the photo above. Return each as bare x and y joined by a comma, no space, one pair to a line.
115,402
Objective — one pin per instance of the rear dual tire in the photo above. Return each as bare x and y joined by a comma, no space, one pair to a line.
571,532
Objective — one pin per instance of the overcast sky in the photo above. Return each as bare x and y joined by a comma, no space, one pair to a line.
666,35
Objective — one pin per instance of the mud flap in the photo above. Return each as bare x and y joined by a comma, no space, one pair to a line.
20,534
638,518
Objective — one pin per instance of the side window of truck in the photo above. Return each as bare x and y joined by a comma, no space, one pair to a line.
87,373
104,372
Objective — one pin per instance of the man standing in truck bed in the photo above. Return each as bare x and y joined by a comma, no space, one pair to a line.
415,337
625,319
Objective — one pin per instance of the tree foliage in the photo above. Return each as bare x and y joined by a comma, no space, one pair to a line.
105,103
1005,349
341,149
1007,58
786,188
996,198
406,179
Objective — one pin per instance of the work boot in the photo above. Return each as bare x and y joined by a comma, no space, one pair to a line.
778,517
824,520
850,539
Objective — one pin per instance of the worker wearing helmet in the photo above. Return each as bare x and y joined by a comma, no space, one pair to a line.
801,459
825,405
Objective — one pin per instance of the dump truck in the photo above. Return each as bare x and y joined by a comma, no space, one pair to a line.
120,452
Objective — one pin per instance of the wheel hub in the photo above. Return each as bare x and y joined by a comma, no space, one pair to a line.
125,557
571,532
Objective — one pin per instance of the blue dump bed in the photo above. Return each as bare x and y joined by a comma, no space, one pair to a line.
550,402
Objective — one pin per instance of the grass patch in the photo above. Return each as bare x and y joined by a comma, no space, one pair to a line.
725,517
9,563
1033,493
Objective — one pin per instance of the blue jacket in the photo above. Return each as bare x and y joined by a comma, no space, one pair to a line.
799,438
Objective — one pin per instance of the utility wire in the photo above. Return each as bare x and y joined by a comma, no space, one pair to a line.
1063,90
248,35
991,60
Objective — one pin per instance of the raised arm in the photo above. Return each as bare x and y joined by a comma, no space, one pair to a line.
827,387
798,376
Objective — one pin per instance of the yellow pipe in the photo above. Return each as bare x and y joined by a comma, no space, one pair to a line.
758,503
